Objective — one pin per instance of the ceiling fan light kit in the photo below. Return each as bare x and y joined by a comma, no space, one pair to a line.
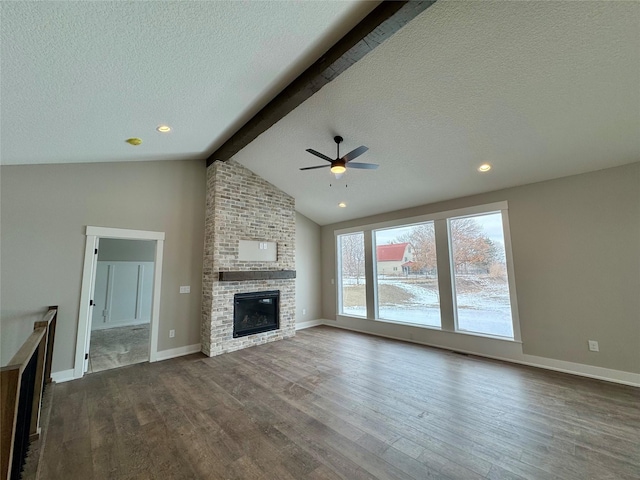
339,165
338,169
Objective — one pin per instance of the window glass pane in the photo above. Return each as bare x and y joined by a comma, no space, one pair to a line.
480,275
352,283
407,275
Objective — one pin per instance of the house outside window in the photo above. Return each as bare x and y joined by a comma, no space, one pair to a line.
473,253
411,294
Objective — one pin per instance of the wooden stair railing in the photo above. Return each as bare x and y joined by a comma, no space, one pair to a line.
22,385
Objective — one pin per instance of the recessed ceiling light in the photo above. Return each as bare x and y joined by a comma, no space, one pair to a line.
342,204
134,141
485,167
163,128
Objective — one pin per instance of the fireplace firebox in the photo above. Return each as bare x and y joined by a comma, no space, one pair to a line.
255,312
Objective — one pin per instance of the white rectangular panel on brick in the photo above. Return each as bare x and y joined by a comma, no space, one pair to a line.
257,251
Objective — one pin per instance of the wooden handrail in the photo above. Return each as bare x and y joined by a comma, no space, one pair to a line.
22,356
25,375
49,321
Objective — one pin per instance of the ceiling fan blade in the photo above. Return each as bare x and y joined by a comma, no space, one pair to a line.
355,153
364,166
317,166
318,154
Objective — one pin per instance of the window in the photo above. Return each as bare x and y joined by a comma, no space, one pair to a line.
352,295
408,294
479,268
448,270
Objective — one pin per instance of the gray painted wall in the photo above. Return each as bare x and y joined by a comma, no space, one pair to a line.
120,250
308,268
44,212
576,251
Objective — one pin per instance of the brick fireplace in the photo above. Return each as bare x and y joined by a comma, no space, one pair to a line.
243,206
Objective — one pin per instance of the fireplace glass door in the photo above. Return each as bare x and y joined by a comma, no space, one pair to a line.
255,312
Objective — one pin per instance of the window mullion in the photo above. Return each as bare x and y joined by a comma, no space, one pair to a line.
445,284
369,275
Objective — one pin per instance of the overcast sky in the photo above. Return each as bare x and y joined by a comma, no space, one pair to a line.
491,224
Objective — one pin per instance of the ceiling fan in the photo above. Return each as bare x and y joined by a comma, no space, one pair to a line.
339,165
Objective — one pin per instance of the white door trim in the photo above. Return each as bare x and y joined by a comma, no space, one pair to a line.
90,259
88,273
155,306
123,233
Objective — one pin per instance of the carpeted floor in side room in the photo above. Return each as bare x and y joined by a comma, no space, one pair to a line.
117,347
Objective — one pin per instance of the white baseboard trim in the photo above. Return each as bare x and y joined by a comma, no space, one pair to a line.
177,352
599,373
63,376
309,324
582,370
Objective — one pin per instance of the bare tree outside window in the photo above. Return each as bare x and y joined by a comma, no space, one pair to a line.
473,248
352,248
352,282
480,273
422,239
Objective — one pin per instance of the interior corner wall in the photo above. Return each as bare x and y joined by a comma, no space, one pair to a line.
44,211
576,255
308,269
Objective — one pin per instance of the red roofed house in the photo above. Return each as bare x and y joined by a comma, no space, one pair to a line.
394,259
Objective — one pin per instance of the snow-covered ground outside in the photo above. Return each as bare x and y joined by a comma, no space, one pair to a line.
486,311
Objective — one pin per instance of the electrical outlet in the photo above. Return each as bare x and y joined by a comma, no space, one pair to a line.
333,281
304,311
593,346
172,333
185,289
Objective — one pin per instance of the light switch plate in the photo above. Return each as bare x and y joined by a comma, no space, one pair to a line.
185,289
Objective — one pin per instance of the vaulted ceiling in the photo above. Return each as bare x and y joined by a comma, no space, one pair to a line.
79,78
538,89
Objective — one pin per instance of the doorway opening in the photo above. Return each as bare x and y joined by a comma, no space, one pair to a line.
120,299
123,292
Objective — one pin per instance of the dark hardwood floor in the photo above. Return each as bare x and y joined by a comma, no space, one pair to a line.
331,404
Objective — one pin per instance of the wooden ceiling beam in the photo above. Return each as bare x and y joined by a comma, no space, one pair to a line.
385,20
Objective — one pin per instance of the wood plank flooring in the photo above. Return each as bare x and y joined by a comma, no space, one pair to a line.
331,404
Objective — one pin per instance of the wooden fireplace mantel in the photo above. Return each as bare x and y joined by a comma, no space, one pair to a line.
239,276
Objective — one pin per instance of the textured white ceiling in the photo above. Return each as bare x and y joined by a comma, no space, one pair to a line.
539,89
78,78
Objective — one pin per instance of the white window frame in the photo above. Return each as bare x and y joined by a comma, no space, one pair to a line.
338,275
510,279
370,263
375,278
